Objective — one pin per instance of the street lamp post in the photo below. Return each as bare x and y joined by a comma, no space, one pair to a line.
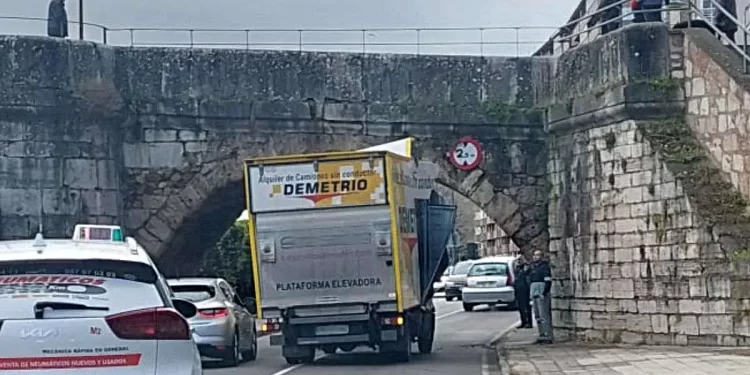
80,19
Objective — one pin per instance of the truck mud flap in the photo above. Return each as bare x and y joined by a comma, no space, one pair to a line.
435,226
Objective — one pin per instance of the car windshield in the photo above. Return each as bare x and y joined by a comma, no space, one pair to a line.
489,269
461,268
194,293
112,286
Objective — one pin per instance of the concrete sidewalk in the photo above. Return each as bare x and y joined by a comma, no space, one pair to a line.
519,356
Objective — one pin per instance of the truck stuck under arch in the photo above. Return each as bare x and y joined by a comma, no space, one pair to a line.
345,250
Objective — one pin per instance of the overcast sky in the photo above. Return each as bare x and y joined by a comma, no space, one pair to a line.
305,14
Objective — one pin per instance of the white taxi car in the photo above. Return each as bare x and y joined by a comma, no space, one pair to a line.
95,304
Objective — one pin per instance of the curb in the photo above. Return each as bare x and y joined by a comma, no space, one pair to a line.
503,364
500,336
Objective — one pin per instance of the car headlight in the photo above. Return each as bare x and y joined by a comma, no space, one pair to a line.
471,283
449,283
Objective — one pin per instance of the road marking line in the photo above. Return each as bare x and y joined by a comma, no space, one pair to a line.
290,369
447,314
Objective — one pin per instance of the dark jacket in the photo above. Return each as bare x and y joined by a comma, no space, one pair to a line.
57,19
653,3
721,20
522,283
540,271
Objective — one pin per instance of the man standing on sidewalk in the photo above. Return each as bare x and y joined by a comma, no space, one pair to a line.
541,285
522,289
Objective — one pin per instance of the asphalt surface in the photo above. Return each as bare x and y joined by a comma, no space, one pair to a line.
461,347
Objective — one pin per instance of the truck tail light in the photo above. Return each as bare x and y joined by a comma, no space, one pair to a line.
393,321
271,326
149,324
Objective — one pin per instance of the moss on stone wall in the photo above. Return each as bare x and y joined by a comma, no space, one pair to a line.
715,197
666,85
505,113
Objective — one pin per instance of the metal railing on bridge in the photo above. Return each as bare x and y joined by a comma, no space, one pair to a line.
508,40
584,26
580,30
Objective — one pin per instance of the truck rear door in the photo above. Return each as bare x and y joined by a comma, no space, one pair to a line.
323,257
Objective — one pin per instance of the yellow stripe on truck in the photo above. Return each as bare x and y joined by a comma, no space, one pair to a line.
395,238
252,242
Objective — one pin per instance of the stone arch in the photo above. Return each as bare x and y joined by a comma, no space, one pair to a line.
520,211
191,220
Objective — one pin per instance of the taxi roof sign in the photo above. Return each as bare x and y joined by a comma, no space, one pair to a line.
97,232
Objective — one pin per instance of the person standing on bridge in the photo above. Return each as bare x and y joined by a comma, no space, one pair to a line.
722,20
609,17
57,19
541,286
652,9
522,289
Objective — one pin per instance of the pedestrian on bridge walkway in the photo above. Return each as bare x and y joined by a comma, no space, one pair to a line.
609,17
723,21
57,19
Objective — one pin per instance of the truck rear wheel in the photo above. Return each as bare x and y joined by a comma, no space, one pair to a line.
295,355
426,333
399,351
300,360
403,355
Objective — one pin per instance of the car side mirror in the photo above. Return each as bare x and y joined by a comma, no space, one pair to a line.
250,302
186,308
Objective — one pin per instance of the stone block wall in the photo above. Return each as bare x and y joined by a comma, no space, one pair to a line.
48,173
648,234
56,160
718,110
635,262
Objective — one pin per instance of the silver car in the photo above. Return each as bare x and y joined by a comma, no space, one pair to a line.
456,281
490,282
224,328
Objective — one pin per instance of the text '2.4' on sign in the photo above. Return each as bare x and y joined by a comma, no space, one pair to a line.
466,154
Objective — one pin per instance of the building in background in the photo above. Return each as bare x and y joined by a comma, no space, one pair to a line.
491,239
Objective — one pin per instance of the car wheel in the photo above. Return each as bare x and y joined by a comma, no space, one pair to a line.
448,299
468,306
292,361
233,358
252,354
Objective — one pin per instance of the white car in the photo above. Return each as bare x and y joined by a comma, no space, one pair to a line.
95,304
490,282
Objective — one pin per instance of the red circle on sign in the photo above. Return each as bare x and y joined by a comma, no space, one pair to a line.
466,154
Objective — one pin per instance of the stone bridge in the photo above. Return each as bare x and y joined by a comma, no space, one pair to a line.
628,158
154,138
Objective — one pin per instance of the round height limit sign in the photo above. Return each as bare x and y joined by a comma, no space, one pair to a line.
466,154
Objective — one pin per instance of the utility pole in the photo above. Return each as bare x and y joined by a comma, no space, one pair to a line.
80,19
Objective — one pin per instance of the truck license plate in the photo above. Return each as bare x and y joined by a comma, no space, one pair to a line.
332,330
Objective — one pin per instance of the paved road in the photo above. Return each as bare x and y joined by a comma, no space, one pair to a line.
460,348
